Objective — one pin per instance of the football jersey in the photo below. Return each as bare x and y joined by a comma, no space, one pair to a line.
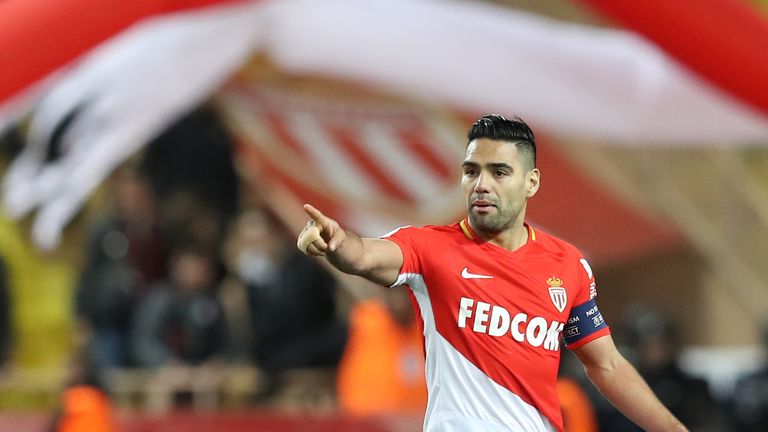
492,323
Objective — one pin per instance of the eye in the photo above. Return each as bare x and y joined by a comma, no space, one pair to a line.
500,173
469,171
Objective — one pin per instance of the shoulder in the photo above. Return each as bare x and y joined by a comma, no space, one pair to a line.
427,232
103,225
754,379
426,229
555,244
158,299
563,252
159,293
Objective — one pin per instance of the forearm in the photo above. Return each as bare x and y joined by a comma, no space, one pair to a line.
349,256
626,390
377,260
374,259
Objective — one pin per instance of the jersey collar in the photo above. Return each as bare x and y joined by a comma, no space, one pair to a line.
470,233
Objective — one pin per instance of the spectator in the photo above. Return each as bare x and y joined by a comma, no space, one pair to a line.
84,405
125,255
233,294
290,297
656,344
749,406
181,321
578,415
192,163
382,371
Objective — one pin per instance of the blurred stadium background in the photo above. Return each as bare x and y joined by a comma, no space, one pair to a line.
143,140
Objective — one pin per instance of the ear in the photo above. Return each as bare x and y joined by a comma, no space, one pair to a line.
533,180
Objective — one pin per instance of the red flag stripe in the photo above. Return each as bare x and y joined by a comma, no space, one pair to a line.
37,37
370,166
279,129
265,169
417,141
723,40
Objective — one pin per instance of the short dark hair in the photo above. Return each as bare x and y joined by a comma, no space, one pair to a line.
515,131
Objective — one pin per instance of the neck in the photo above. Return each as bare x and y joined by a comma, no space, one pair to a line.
512,238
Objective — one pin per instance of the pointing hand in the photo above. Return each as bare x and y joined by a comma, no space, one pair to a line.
321,235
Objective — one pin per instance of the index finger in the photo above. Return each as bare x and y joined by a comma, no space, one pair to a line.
315,214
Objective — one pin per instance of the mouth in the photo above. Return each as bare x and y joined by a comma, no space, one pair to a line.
482,206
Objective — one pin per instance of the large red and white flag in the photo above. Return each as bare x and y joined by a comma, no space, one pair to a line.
113,74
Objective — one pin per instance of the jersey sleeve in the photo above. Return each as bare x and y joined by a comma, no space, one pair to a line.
409,239
585,322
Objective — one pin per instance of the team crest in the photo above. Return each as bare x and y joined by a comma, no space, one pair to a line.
557,293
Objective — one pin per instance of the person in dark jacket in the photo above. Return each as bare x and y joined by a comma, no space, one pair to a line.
749,404
655,347
291,298
181,321
126,254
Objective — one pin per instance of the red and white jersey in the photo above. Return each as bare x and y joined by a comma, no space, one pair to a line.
492,321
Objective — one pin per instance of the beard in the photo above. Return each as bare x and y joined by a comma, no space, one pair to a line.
496,221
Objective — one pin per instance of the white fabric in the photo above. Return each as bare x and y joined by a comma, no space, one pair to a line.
129,89
566,79
461,397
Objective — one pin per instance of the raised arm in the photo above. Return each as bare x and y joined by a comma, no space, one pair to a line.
620,383
374,259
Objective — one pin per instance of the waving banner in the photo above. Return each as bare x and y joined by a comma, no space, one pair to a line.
94,94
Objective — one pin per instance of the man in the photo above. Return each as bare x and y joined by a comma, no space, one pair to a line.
495,294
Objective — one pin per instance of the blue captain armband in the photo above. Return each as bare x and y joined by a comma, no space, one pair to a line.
585,320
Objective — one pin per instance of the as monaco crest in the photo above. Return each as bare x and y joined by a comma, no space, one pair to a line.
557,293
372,161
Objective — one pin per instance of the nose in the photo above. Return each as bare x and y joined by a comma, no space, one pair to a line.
482,183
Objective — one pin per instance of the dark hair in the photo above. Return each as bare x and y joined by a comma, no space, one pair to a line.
515,131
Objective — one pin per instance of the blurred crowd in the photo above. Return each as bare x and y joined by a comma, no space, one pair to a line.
186,268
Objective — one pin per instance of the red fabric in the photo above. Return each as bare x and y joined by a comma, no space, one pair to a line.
226,421
38,37
248,422
606,331
723,40
516,283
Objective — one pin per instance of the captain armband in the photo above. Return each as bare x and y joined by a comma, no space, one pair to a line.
585,321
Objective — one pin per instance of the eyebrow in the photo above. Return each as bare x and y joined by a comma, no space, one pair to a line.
489,165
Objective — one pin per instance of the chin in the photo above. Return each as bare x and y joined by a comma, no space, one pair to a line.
481,223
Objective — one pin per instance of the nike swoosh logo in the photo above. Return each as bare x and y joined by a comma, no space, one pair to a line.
467,275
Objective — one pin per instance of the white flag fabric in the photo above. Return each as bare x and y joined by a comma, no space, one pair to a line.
609,85
118,98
